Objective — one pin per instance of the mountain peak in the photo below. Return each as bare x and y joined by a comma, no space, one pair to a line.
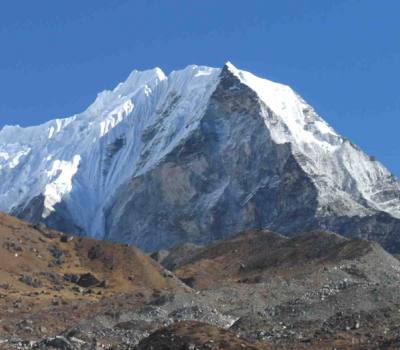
184,157
137,78
229,65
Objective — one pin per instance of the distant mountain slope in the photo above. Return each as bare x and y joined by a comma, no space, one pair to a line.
196,156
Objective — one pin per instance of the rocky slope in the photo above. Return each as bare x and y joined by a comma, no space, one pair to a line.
256,290
196,336
195,156
50,281
316,290
257,256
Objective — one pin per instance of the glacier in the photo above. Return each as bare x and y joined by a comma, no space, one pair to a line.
196,155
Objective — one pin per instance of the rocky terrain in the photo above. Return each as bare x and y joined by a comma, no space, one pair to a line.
196,335
51,281
256,290
318,289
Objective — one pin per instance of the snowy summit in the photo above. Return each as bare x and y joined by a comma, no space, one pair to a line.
197,155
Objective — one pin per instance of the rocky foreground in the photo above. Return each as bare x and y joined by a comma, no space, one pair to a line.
257,290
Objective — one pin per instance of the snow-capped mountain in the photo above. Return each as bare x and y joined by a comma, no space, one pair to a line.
197,155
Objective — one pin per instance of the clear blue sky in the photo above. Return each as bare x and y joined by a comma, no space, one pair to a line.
341,56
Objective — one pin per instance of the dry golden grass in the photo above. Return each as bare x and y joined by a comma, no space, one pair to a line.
24,250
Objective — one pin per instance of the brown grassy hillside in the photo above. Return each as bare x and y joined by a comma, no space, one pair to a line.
61,279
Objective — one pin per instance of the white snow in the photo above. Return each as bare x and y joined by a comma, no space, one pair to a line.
59,178
285,103
73,159
339,169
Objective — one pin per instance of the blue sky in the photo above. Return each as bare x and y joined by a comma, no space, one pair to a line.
342,56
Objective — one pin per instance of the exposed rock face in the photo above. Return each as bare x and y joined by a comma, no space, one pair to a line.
216,182
197,156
